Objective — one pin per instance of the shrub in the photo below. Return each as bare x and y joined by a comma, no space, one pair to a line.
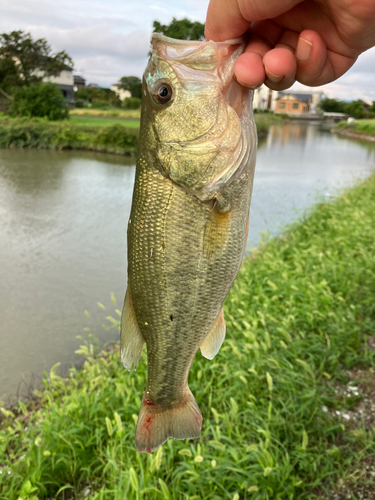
100,104
131,103
117,136
39,133
39,100
81,103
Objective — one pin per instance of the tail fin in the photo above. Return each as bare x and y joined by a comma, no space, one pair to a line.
156,425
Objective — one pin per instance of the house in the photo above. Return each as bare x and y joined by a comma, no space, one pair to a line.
366,104
305,101
121,93
65,82
79,82
295,103
314,98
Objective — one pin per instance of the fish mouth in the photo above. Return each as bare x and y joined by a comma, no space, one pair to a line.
199,54
191,45
230,138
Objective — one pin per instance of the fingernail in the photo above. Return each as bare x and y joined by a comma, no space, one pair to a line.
303,49
241,83
271,76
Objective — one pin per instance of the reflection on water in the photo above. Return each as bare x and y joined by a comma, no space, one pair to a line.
295,163
63,219
62,248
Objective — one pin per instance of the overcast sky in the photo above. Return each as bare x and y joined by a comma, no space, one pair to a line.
108,39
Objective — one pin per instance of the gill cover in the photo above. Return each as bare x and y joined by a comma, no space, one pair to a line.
204,133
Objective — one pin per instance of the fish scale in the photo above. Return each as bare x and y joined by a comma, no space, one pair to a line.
185,243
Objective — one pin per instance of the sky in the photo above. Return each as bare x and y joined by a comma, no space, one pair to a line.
108,39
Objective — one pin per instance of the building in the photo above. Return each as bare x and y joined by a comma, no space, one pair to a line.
295,104
121,93
313,98
272,100
65,82
263,98
366,104
79,82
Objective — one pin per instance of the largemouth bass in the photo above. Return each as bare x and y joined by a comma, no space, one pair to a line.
188,225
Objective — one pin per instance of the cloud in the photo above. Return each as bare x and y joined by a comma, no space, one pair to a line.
108,40
96,40
101,55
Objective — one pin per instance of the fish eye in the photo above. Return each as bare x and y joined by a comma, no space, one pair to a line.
162,92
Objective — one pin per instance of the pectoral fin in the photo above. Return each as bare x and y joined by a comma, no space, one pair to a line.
215,338
131,338
216,232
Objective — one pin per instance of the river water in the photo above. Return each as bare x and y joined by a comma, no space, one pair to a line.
63,219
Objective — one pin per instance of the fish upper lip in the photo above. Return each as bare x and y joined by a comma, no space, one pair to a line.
174,41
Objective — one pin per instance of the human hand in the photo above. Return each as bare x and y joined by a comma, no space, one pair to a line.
311,41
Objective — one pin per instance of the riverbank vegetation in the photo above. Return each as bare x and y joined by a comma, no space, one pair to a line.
360,127
126,114
94,121
81,132
112,138
287,403
264,120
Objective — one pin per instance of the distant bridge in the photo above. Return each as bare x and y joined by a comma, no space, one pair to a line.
335,117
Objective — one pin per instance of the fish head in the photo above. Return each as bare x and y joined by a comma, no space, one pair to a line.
198,116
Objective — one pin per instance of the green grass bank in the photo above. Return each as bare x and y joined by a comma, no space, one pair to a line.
286,403
108,137
105,133
98,121
125,114
361,129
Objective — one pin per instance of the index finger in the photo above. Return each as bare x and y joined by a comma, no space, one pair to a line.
227,19
224,21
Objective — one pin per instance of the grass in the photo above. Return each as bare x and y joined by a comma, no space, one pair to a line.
265,120
275,400
38,133
103,122
127,114
366,127
107,135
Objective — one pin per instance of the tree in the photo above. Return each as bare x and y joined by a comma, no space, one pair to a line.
133,84
24,61
355,109
182,29
332,106
43,100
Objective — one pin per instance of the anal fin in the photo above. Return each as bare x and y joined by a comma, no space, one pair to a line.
212,343
131,338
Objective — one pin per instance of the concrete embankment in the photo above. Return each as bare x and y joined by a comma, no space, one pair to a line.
352,134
